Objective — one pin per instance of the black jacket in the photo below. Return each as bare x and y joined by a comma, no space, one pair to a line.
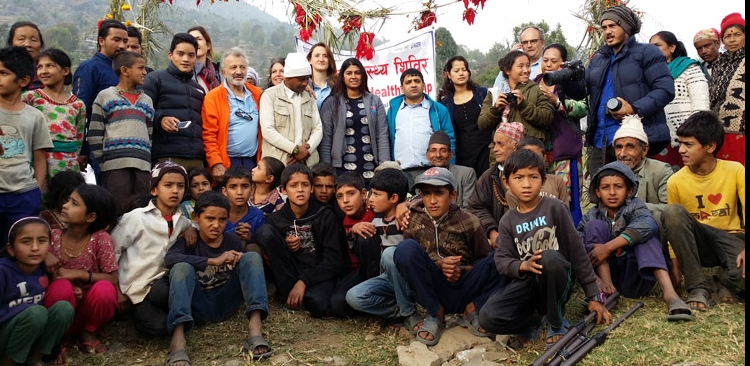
176,94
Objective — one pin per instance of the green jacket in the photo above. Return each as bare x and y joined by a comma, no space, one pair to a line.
534,112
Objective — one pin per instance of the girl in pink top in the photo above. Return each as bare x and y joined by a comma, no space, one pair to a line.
82,256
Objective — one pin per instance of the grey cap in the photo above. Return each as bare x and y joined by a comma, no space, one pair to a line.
436,176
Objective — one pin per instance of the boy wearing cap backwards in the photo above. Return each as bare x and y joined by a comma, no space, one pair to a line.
538,249
141,239
445,257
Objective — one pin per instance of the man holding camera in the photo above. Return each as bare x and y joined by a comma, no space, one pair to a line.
625,77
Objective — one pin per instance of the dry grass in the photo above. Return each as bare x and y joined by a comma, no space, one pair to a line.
716,337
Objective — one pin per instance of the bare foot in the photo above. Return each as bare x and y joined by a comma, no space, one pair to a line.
697,305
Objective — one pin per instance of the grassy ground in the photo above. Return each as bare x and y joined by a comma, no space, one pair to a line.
716,337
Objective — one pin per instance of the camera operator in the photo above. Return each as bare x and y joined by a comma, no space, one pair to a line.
637,75
518,100
567,144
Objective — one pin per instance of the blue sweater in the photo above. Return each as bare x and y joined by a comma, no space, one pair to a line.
19,290
439,118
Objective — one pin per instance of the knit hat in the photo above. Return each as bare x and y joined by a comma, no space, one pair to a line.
436,176
731,19
710,34
165,167
297,65
631,127
514,130
441,138
624,17
252,75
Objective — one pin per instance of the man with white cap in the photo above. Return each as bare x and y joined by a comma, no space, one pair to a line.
231,134
625,77
289,119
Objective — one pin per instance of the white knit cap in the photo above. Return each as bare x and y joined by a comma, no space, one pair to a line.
631,127
297,65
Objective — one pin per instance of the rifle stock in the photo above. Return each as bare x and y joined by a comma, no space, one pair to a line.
572,332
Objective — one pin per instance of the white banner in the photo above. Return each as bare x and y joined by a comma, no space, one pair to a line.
390,60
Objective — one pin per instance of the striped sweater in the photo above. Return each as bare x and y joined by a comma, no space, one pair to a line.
120,132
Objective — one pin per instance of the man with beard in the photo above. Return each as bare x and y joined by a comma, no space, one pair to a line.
230,118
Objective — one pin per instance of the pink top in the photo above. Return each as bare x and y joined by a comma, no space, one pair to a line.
98,257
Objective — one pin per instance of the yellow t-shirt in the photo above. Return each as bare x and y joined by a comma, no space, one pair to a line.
713,198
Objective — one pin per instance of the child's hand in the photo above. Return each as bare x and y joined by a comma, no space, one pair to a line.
77,292
294,300
191,236
451,267
71,274
230,257
601,312
364,229
531,264
2,151
122,300
51,263
598,254
292,242
243,231
402,216
169,124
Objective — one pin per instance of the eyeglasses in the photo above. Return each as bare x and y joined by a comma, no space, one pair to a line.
244,115
530,42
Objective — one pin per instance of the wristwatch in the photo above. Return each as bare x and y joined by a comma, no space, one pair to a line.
600,297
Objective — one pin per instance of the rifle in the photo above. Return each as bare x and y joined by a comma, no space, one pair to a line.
599,338
583,324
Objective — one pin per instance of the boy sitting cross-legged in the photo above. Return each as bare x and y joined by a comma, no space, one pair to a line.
384,293
244,218
209,280
306,248
539,250
445,258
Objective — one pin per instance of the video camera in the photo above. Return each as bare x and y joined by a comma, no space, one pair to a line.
571,70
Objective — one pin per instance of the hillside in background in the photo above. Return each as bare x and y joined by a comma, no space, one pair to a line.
70,25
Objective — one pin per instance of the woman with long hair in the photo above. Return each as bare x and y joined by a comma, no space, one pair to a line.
275,72
355,131
691,92
463,98
727,88
206,71
323,65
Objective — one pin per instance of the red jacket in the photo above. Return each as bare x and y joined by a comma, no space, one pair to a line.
215,116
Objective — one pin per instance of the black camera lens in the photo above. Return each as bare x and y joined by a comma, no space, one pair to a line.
614,104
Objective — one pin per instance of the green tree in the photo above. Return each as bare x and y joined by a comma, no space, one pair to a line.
64,35
445,48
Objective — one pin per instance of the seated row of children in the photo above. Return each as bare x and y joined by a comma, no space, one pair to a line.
363,262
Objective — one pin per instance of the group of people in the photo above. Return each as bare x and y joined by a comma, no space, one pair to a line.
209,186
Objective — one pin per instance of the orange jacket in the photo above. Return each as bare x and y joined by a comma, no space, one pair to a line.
215,116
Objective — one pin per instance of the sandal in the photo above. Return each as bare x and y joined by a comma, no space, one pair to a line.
699,295
92,347
253,343
412,321
60,360
726,295
431,325
555,331
679,310
177,356
471,322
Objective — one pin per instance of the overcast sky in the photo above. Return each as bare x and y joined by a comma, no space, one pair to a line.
495,22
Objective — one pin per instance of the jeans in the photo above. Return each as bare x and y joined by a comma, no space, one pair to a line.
387,295
432,289
186,305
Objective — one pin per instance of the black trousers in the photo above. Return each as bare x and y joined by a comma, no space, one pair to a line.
150,315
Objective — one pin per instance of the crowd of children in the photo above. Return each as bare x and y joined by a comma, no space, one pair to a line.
194,246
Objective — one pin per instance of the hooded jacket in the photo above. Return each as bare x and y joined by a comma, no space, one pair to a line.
176,94
632,219
323,254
